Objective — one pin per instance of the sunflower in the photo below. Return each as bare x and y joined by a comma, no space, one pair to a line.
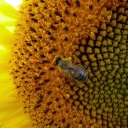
96,33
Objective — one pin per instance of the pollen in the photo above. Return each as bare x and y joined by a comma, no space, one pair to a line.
96,33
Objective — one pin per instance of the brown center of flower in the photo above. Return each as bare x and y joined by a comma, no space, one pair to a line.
96,32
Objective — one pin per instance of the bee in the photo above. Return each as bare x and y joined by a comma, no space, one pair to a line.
74,71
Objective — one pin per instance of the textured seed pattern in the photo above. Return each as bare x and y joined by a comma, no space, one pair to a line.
104,97
96,32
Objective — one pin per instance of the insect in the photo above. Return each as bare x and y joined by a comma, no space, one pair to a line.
77,72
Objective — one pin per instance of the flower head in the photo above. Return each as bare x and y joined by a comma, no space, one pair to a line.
96,32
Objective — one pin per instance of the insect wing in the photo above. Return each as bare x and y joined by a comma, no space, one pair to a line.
79,73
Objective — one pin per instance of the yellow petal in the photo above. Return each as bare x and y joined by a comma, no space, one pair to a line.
7,9
6,37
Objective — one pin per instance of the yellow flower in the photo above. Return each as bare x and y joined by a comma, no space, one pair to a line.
96,32
11,113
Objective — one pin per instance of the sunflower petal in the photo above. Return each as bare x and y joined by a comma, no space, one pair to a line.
7,10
